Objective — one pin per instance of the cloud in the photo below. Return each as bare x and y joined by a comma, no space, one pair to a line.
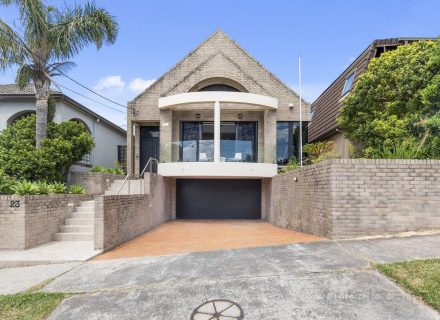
110,84
310,91
138,84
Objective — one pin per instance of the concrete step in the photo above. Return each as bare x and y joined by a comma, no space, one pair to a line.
82,215
79,222
76,229
84,209
74,236
88,203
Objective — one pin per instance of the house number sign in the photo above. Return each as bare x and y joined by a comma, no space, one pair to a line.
14,204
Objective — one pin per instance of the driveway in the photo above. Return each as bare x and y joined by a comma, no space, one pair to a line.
183,236
320,280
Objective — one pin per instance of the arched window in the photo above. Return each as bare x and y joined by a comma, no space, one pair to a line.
19,115
219,87
218,84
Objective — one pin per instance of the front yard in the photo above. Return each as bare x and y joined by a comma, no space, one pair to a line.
420,277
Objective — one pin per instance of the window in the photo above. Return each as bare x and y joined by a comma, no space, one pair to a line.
219,87
348,84
288,140
122,156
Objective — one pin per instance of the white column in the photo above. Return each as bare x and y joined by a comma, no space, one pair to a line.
217,131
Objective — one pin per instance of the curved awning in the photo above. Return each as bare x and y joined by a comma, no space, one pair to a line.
254,101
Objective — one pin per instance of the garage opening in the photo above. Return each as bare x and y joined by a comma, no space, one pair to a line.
218,199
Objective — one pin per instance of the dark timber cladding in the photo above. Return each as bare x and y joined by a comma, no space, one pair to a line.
218,199
326,107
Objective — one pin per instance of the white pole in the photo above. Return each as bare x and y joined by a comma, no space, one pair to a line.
217,129
300,114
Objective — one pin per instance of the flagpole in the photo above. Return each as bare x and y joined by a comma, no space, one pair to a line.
300,114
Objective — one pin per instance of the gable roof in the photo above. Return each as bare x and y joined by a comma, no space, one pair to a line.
13,92
215,33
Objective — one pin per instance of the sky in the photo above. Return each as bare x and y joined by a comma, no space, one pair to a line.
155,34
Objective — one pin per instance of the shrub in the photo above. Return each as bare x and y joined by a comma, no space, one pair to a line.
115,170
66,143
320,151
42,187
76,189
404,150
396,99
58,187
291,165
24,188
6,183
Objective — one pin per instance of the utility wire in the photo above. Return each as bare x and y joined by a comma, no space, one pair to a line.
21,43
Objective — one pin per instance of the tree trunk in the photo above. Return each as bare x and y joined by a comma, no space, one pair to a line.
42,95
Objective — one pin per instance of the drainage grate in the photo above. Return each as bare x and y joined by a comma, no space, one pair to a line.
219,309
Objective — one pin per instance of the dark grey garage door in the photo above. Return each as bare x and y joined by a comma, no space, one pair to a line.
218,199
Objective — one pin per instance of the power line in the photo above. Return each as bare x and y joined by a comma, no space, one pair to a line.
64,87
21,43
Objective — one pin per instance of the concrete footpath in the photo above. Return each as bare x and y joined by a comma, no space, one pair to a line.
320,280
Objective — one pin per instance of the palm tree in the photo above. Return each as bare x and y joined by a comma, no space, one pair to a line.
49,37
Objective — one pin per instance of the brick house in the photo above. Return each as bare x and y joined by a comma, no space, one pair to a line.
219,123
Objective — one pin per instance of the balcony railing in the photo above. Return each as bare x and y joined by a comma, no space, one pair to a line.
203,151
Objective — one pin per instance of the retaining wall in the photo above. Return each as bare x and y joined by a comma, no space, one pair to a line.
119,218
28,221
344,198
95,183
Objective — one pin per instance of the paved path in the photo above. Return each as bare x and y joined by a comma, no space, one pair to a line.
14,280
182,236
49,253
321,280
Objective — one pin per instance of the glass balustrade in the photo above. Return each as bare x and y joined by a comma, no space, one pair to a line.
203,151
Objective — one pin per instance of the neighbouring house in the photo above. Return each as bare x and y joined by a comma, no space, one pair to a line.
219,123
325,109
110,139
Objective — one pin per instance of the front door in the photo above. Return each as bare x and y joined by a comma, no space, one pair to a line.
149,146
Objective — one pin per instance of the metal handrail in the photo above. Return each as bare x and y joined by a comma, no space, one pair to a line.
149,162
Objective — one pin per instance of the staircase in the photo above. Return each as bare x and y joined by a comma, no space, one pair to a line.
79,226
137,186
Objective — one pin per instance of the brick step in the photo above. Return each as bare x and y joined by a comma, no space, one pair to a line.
74,236
79,222
82,215
76,229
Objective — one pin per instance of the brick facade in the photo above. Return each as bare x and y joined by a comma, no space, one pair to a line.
345,198
94,182
123,217
219,57
36,220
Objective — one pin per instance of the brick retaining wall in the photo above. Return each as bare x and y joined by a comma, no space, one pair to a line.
33,220
343,198
119,218
95,183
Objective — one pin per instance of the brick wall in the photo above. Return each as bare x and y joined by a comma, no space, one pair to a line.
345,198
123,217
36,220
94,182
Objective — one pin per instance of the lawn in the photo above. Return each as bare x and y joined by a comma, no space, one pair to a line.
29,306
421,277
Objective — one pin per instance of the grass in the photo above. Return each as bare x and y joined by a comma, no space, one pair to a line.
29,306
421,277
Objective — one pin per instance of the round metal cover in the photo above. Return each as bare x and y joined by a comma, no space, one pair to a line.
219,309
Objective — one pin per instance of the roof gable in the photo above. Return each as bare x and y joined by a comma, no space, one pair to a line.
216,44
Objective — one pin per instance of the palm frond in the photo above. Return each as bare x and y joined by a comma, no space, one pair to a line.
58,68
25,74
11,50
78,27
33,15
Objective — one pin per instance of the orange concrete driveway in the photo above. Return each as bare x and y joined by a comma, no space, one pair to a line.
183,236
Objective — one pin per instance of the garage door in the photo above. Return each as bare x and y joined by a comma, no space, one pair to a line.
218,199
